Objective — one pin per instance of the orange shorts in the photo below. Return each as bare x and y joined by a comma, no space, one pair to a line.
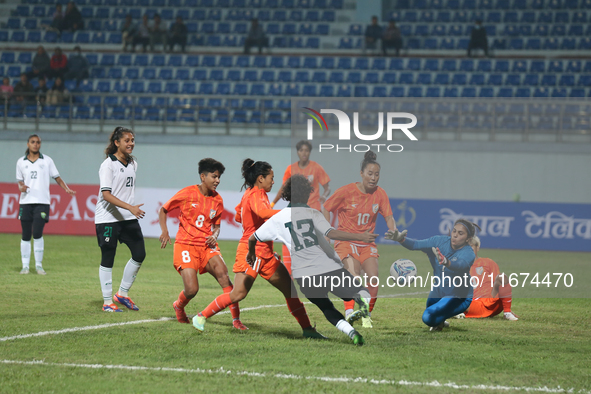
191,256
484,307
357,251
263,267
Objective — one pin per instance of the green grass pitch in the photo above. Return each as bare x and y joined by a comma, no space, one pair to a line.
549,346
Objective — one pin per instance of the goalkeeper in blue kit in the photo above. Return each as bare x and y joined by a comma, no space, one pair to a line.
451,258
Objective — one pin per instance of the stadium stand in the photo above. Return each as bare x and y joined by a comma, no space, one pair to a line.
229,87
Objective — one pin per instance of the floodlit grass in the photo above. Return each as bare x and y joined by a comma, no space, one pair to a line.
549,345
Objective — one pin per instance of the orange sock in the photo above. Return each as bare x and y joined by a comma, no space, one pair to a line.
183,301
373,292
234,308
297,309
217,305
505,296
349,304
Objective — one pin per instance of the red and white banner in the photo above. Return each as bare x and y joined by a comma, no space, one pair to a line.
74,215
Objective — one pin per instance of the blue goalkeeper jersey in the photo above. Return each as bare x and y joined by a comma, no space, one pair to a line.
460,262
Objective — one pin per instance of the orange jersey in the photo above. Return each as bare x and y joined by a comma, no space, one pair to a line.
254,209
198,214
357,212
315,174
482,269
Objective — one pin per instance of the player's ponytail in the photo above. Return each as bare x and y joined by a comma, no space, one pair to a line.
251,170
470,227
116,135
29,139
369,158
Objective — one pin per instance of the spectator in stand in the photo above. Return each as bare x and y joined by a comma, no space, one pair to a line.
5,92
373,33
77,66
128,32
41,64
478,39
23,90
59,64
57,21
392,38
143,35
41,91
58,94
158,33
256,37
178,34
73,18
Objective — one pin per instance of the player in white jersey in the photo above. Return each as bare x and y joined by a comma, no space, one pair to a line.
314,264
116,218
33,173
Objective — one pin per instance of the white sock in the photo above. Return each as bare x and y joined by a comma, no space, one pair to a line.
129,274
25,253
106,277
345,327
348,312
38,247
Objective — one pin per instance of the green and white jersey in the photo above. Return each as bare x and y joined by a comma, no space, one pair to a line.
302,230
119,179
37,175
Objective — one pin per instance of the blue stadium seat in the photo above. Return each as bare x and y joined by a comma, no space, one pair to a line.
309,91
354,77
486,92
302,76
292,90
344,91
397,91
216,75
549,80
268,76
131,73
531,80
336,77
120,87
442,79
477,79
533,43
251,76
285,76
541,92
371,77
319,76
495,79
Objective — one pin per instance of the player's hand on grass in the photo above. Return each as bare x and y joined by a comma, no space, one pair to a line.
395,235
136,211
440,257
251,259
164,239
368,237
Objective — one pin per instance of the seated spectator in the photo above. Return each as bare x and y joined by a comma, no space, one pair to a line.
373,33
392,38
77,66
57,21
73,18
58,94
5,91
158,33
128,32
59,64
178,34
143,34
41,66
41,91
256,37
478,39
23,91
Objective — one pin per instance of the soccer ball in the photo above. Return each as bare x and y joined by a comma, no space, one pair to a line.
403,268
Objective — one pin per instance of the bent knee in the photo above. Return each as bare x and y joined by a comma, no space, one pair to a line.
429,319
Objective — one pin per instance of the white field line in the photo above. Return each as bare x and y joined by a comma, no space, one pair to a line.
299,377
107,325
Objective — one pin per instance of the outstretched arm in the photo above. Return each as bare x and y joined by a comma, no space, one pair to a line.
63,185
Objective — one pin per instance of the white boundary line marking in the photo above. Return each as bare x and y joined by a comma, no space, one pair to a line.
343,379
107,325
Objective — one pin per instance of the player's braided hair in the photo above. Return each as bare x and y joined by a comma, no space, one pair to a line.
369,158
29,139
297,189
251,170
470,227
116,135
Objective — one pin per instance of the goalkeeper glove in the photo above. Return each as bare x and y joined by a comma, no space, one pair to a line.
395,235
440,257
